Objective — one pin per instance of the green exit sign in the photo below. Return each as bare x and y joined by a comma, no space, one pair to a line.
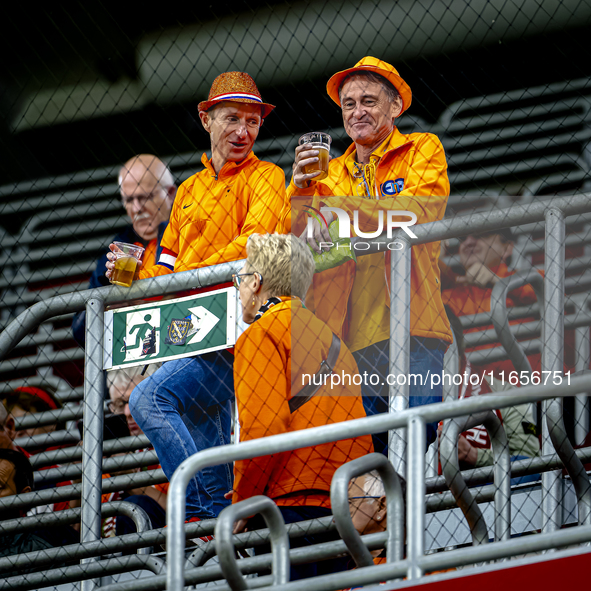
171,329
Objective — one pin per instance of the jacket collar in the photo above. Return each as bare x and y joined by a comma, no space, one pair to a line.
230,168
277,303
394,141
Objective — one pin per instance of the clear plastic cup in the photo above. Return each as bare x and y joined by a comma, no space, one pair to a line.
127,263
318,141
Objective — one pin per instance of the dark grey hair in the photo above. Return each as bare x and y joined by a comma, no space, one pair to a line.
393,94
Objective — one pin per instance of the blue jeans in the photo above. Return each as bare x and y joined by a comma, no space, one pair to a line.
186,407
426,355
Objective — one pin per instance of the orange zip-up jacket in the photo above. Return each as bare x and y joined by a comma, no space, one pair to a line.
213,215
272,357
465,300
410,175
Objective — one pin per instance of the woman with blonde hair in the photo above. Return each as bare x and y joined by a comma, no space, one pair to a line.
283,384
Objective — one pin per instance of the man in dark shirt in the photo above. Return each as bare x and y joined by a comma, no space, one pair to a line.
147,193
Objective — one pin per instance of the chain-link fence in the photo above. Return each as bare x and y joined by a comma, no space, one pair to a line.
106,115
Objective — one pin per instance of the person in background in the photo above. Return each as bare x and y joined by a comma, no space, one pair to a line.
7,430
147,191
16,477
369,509
151,498
484,260
26,400
368,506
382,170
474,445
276,359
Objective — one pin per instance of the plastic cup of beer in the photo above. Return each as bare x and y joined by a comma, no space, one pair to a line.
127,263
320,141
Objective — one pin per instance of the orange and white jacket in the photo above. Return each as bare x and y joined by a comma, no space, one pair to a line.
410,174
271,358
213,215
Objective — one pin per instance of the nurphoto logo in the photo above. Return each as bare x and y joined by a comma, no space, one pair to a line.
344,226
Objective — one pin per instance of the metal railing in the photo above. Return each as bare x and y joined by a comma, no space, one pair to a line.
448,450
413,419
553,211
339,500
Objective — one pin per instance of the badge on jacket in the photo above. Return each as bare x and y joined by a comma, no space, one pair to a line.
390,188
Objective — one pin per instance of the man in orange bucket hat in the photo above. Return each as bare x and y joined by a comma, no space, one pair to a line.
382,170
186,405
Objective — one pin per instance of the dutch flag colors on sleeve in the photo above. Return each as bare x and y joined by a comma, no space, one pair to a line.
167,259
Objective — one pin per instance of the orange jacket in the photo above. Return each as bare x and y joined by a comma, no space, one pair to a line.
465,300
213,215
415,169
272,357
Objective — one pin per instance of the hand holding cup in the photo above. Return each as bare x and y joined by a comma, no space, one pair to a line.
311,158
124,262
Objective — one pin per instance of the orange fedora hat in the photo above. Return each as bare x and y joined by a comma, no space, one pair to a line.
237,87
372,64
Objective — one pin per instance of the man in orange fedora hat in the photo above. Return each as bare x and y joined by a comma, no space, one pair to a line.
186,405
382,170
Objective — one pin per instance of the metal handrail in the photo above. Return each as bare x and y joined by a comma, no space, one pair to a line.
430,232
84,572
500,317
259,537
73,454
128,461
61,437
571,461
50,556
442,560
74,491
448,449
106,546
484,474
339,500
255,564
434,231
76,301
68,516
224,541
521,363
336,432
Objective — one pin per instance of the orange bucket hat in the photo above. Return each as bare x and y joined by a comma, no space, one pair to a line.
237,87
372,64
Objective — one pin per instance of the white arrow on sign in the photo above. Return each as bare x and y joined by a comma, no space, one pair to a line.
204,321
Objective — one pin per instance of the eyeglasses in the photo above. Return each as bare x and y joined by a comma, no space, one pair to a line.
141,199
236,278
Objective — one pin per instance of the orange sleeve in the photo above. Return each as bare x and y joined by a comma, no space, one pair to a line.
262,384
523,295
425,192
266,199
154,271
